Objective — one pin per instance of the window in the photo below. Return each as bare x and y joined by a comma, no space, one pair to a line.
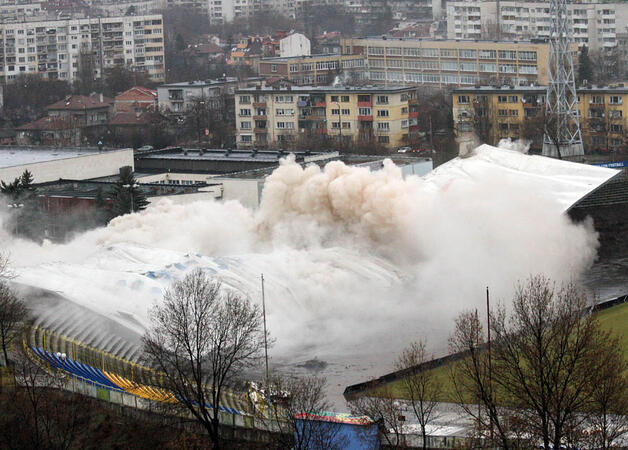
449,66
382,113
383,139
344,98
393,51
335,112
597,100
469,54
502,112
364,111
513,112
448,52
404,110
507,68
335,125
503,126
463,99
383,126
507,54
281,125
346,125
246,138
404,123
245,125
488,67
513,98
615,113
527,56
273,67
487,54
334,98
382,99
616,128
346,112
294,68
245,99
615,100
245,112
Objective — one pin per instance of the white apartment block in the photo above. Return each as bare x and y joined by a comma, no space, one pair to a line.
54,48
593,24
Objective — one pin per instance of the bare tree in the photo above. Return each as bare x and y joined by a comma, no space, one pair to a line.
38,414
292,401
201,339
543,368
5,271
386,411
13,313
608,419
420,386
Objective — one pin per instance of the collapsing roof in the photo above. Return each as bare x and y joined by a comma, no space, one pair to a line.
566,182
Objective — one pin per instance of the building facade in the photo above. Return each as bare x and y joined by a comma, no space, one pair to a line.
266,115
518,113
65,49
312,70
295,44
445,63
592,24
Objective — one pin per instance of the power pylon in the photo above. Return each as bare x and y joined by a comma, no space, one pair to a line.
562,137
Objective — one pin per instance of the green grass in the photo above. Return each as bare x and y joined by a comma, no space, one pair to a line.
613,319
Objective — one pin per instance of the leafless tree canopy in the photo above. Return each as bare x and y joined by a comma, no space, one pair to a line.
544,371
290,396
421,388
202,338
386,411
13,313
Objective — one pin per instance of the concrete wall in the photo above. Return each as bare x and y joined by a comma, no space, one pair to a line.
83,167
294,45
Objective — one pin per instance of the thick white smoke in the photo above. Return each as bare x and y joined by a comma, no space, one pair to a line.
357,262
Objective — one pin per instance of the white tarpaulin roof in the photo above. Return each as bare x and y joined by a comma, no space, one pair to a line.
565,181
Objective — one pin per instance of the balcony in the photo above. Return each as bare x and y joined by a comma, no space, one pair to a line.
320,104
261,130
260,117
413,114
259,104
365,118
365,104
413,101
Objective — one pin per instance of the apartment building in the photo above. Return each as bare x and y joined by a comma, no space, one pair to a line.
517,112
592,24
57,49
444,63
312,70
268,116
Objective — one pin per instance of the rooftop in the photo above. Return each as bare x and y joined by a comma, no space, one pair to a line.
18,156
324,89
421,39
81,102
318,55
621,89
205,83
227,155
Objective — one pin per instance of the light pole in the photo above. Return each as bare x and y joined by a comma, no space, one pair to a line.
16,206
130,187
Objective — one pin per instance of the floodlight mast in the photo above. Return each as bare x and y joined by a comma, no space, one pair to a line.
562,137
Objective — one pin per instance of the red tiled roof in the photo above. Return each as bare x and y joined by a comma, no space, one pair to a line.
46,124
80,102
130,118
137,93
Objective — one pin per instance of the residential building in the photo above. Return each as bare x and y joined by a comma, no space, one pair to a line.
294,44
445,63
592,24
69,49
177,98
267,115
72,121
517,113
312,70
137,98
18,12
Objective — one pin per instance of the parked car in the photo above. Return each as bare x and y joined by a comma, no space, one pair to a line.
145,148
404,149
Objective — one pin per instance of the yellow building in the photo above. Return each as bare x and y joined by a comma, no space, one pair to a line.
517,112
456,62
269,116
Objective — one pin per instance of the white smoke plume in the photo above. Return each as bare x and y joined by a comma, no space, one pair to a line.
357,262
518,145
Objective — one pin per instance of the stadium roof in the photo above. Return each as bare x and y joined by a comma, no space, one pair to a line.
18,156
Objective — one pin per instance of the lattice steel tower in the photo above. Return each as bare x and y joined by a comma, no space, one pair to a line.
562,136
